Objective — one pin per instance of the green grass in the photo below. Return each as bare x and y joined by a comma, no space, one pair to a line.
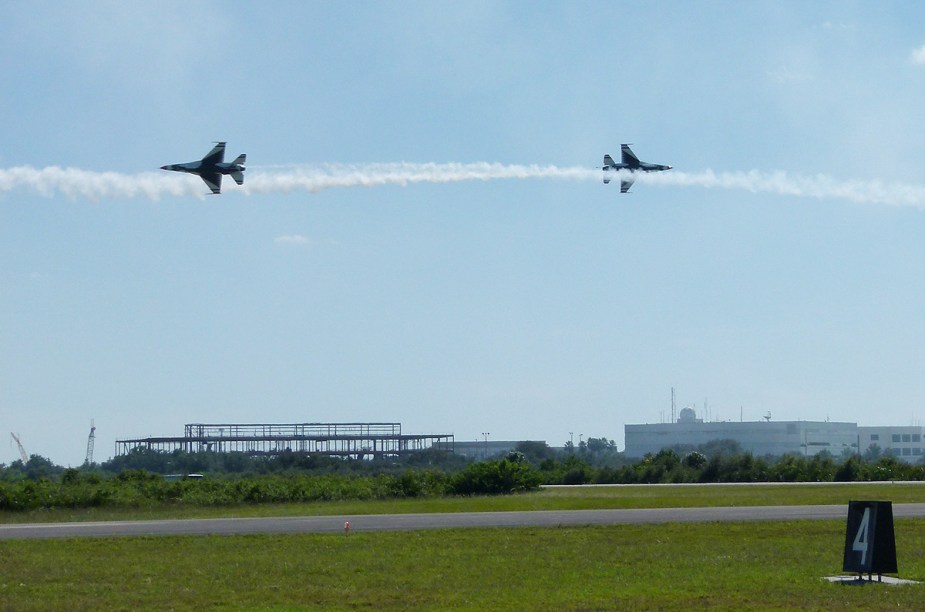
566,498
677,566
676,496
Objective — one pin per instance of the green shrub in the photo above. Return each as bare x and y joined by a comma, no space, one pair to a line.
495,477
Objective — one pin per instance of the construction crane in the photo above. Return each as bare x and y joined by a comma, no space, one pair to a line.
22,451
90,439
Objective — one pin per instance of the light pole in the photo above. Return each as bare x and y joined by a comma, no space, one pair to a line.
485,435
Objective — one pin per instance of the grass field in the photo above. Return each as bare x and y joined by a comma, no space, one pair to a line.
675,566
732,566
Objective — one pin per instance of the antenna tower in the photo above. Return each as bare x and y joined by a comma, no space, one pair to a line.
90,439
674,417
22,451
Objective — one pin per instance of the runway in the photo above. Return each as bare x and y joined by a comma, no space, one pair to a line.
409,522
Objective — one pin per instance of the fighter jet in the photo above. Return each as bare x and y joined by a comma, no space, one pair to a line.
211,168
631,163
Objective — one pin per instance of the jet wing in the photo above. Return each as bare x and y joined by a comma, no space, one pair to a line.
215,156
213,180
626,183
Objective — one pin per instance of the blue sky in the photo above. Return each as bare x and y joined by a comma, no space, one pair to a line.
527,308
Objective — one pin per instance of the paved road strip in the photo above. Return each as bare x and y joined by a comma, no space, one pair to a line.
401,522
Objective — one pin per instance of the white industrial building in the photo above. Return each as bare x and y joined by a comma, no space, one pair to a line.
902,442
777,438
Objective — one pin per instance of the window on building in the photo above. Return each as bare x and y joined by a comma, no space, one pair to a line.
874,437
917,451
907,452
896,437
916,437
907,438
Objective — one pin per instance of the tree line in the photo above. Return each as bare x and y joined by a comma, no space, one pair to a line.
145,478
139,488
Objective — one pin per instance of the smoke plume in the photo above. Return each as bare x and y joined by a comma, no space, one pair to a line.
76,183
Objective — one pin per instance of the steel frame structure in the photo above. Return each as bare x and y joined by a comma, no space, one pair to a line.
356,440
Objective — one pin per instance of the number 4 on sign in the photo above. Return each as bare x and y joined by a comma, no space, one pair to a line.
862,537
870,546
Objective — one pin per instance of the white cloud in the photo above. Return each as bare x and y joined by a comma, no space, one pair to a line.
297,239
918,56
838,26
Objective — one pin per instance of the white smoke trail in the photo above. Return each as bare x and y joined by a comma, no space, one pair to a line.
820,186
74,183
316,178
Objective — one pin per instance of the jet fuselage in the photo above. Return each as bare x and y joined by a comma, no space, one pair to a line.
628,163
211,168
198,167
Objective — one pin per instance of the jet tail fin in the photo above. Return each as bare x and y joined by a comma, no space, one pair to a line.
238,177
239,160
629,158
608,161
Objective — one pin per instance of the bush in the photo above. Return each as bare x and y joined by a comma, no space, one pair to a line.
495,477
849,471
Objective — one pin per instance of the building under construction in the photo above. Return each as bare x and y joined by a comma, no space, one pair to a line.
353,440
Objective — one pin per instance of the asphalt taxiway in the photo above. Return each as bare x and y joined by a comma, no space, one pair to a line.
409,522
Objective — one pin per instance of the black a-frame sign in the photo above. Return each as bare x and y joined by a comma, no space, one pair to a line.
870,546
